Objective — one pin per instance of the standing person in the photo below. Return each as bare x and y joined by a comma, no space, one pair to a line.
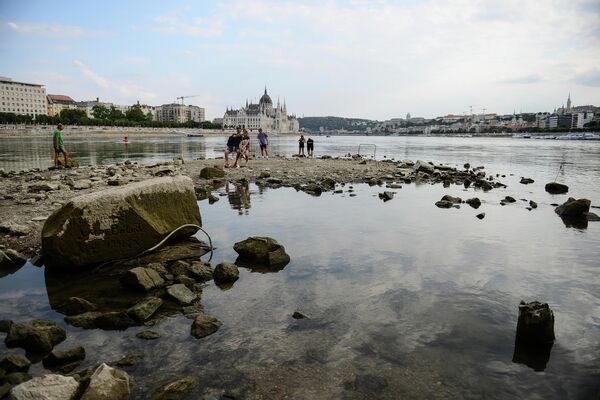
233,145
263,140
244,151
301,142
59,147
310,147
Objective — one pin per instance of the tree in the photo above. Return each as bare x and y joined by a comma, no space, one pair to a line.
136,114
100,112
115,114
72,116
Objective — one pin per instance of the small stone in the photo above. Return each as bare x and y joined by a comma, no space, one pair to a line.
298,315
526,181
444,204
533,204
64,361
14,229
226,272
481,215
13,363
144,309
510,199
181,293
143,278
205,325
386,196
148,335
212,172
474,202
175,389
262,250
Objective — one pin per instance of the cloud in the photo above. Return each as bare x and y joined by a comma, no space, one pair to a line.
128,90
523,80
588,78
197,27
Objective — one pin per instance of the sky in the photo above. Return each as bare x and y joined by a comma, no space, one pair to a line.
365,59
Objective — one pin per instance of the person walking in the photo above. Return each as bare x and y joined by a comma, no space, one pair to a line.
310,147
263,141
301,142
233,145
59,146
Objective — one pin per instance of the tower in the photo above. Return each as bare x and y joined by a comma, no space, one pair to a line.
569,103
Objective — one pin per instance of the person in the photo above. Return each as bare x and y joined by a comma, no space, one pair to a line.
301,142
310,147
59,147
263,140
233,145
244,151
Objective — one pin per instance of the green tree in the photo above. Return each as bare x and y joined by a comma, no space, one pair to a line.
115,114
136,114
72,116
100,112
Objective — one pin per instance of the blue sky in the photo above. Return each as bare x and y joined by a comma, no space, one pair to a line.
367,59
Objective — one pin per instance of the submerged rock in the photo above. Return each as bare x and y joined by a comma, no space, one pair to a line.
175,389
47,387
148,335
536,323
118,223
12,363
76,305
180,293
205,325
143,278
107,383
144,309
36,336
264,251
64,361
574,208
226,272
386,196
556,188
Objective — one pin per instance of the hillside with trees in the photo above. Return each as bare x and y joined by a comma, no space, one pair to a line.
335,123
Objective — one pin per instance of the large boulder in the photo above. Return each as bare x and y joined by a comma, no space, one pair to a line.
119,222
556,188
212,172
423,166
107,383
36,336
47,387
574,208
264,251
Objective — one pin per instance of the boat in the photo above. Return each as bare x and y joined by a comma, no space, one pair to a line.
521,136
579,136
194,135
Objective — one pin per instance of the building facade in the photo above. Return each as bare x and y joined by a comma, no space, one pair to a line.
262,115
22,98
179,113
59,102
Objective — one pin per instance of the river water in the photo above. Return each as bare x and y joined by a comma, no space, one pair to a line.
405,300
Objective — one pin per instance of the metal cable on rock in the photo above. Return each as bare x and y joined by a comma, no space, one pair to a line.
171,234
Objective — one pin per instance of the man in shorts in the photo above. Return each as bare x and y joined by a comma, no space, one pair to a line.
233,145
59,147
263,140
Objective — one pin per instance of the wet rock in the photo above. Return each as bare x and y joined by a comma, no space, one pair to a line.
510,199
574,208
175,389
86,320
14,229
82,184
47,387
212,172
143,278
181,294
422,166
386,196
298,315
444,204
35,336
16,378
202,192
118,223
532,204
481,215
205,325
7,265
328,184
129,360
76,305
148,335
590,216
262,250
526,181
107,383
13,363
5,325
212,199
114,321
144,309
16,257
186,280
226,272
454,200
200,271
536,323
474,202
556,188
64,361
43,187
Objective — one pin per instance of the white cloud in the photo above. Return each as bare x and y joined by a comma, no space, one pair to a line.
45,29
198,26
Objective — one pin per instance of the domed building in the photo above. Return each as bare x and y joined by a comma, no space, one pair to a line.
262,115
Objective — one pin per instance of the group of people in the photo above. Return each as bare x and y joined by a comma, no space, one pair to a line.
310,146
239,144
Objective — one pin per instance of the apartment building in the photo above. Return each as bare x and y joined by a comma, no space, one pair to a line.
22,98
59,102
179,113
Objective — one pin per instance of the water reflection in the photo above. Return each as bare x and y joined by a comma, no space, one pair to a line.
238,195
534,356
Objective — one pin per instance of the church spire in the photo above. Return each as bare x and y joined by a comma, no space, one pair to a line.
265,89
569,102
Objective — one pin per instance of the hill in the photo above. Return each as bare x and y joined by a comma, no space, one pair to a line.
335,123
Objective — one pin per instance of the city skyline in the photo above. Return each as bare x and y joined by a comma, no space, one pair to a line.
365,59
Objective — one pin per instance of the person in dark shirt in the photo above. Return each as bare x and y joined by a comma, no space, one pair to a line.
310,147
233,145
301,142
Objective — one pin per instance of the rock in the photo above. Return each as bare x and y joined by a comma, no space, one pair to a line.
454,200
467,165
395,186
212,172
43,187
574,208
5,325
158,267
226,272
144,309
200,271
82,184
328,184
14,229
175,389
114,320
129,360
17,258
536,323
47,387
181,293
107,383
143,278
148,335
13,363
64,361
444,204
35,336
37,260
164,171
533,204
481,215
526,181
16,378
86,320
385,196
510,199
262,250
205,325
422,166
264,175
116,181
118,223
556,188
7,264
76,305
212,199
186,280
474,202
592,217
298,315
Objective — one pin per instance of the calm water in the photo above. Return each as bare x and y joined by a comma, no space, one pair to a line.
405,300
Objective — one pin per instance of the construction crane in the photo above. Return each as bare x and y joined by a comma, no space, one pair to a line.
187,97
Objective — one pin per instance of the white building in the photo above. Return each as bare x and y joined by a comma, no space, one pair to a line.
88,106
59,102
179,113
262,115
22,98
583,118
